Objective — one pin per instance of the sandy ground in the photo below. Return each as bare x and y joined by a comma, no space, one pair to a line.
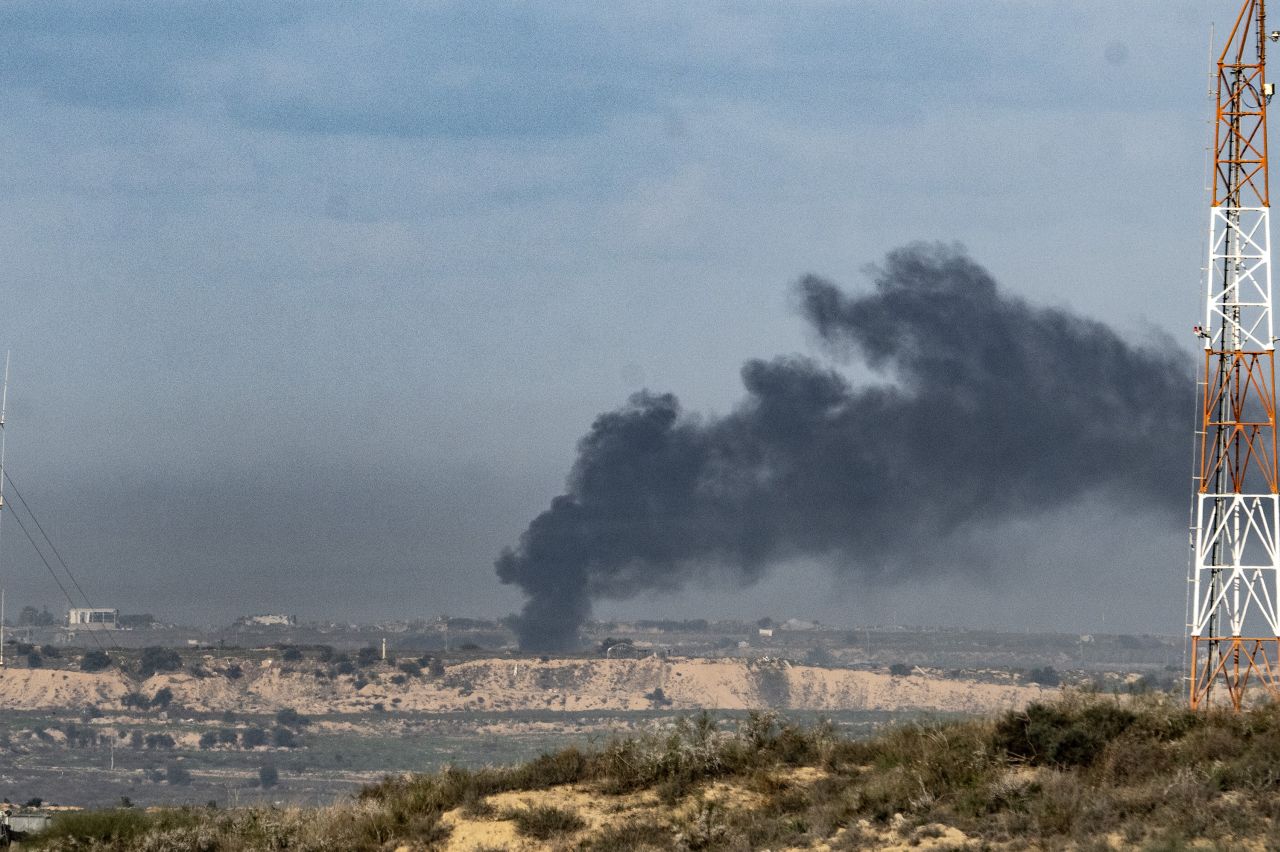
474,832
504,685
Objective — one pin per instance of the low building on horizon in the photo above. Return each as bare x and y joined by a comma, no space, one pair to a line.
93,618
267,620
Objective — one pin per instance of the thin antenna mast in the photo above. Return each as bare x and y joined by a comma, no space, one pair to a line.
4,405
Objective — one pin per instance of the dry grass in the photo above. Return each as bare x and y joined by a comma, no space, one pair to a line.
543,822
1081,772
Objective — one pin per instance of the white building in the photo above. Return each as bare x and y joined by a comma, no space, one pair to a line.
87,618
269,620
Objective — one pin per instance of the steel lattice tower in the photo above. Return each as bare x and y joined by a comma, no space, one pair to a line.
1235,568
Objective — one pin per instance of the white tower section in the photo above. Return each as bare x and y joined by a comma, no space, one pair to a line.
1237,536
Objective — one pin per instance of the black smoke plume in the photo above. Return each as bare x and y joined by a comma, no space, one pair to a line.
992,410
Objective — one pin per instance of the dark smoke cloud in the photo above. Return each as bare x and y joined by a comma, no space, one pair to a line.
994,410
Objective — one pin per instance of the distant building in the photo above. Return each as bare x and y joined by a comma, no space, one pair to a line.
20,825
269,620
766,631
93,618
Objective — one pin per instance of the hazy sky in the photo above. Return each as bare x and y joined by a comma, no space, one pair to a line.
310,303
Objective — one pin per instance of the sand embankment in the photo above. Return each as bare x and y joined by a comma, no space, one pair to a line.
516,685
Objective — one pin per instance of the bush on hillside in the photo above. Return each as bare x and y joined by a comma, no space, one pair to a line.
292,718
268,776
253,737
1046,676
94,661
1056,735
156,659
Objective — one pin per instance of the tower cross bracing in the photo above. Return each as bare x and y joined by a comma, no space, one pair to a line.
1235,567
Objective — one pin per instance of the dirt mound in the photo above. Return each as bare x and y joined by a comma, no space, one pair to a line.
40,689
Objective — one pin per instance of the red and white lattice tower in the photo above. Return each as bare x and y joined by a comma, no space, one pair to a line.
1235,569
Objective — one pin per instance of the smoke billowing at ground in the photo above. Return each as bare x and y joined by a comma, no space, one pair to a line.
989,409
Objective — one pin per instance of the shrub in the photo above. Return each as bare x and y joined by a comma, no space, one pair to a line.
34,661
411,668
109,828
819,656
292,718
51,651
158,741
291,654
637,833
177,775
135,701
284,738
94,661
29,616
163,698
234,672
772,684
156,659
543,822
1046,676
899,669
1061,734
367,656
253,737
268,776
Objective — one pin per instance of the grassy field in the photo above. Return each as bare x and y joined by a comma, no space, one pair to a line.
324,766
1084,772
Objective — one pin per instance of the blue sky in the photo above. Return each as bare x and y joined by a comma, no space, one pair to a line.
301,295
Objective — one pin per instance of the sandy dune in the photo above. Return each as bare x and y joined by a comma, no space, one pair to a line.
507,685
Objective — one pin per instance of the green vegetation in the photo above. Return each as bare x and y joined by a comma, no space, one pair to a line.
1064,774
543,822
268,776
94,661
156,659
120,828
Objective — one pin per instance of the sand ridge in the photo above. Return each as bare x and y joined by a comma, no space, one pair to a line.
505,685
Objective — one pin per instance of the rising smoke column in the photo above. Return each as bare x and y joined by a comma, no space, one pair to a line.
992,409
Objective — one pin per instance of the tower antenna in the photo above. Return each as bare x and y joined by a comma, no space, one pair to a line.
4,405
1235,565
